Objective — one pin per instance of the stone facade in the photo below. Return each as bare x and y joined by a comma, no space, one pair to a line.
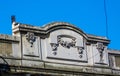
57,49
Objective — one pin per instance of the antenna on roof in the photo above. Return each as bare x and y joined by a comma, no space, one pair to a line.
105,10
13,19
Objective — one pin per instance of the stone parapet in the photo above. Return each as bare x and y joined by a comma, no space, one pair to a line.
9,38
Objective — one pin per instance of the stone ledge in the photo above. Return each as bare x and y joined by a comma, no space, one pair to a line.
59,69
9,38
79,69
114,52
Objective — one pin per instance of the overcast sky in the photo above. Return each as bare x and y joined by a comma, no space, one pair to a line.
88,15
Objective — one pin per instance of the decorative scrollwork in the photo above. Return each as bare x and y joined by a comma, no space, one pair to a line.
80,51
54,48
30,38
66,44
100,48
69,43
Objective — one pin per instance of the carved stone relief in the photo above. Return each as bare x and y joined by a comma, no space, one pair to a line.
100,48
71,43
54,48
30,38
80,51
66,44
30,45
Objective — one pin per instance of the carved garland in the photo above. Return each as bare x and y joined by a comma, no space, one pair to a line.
66,44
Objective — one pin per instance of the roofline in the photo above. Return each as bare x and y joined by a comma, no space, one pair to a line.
57,25
113,51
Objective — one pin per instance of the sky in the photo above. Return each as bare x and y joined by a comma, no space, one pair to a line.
88,15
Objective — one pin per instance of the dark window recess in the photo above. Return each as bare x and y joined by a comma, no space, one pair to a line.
117,61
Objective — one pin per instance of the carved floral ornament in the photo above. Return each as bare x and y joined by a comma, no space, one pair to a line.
66,44
30,37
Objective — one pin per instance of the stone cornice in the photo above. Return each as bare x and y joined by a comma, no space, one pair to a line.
58,25
115,52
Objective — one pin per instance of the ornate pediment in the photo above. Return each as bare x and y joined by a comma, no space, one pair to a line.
62,41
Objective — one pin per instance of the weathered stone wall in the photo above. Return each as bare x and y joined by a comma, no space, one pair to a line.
10,52
7,45
5,48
